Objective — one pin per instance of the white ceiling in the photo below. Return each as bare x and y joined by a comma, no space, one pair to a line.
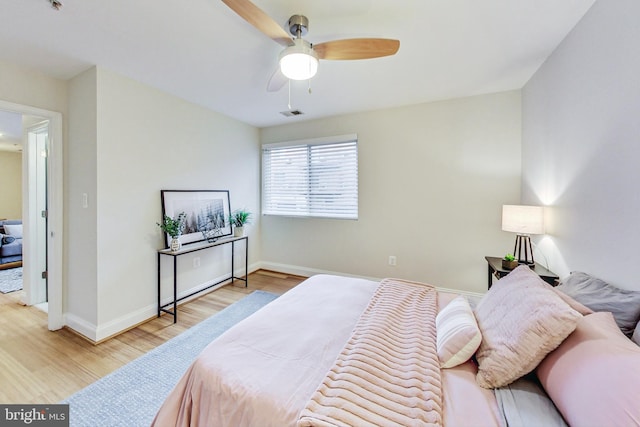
201,51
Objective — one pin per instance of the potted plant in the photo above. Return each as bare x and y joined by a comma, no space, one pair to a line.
238,219
509,262
174,228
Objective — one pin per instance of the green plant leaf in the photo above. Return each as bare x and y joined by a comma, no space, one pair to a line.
173,226
240,217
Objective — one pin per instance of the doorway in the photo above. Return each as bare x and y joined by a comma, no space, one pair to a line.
42,208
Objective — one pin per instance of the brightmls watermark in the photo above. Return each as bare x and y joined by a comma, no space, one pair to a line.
55,415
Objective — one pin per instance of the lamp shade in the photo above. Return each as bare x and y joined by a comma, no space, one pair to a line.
523,219
299,61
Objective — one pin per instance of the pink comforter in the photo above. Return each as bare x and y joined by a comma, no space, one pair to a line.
263,371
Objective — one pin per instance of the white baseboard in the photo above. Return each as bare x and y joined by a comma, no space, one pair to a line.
123,323
308,272
98,333
81,326
116,326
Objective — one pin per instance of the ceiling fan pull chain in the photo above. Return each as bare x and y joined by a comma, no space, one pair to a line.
309,86
289,103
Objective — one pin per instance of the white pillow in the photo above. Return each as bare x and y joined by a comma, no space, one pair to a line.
458,333
14,230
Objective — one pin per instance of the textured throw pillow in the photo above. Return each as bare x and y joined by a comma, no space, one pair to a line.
7,240
14,230
593,377
521,321
601,296
458,333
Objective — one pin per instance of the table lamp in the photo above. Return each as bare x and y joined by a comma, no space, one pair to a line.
524,221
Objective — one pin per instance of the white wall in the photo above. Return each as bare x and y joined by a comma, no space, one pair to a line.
432,181
145,141
11,188
81,296
581,145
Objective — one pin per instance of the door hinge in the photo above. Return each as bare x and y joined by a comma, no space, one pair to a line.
44,274
44,214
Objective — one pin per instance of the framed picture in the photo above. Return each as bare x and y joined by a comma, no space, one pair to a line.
207,213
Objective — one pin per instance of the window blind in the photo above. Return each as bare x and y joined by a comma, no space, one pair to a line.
313,178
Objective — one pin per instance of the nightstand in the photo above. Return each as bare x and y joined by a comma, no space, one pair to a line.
494,267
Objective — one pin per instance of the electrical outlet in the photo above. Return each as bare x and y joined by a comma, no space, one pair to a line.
392,260
196,262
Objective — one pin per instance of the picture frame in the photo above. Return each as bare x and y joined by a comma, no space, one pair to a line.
206,211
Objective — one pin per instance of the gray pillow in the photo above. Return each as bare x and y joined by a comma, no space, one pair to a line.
636,335
601,296
7,240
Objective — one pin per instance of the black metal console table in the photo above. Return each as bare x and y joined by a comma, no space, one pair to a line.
194,248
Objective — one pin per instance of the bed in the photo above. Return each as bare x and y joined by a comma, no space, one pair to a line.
345,351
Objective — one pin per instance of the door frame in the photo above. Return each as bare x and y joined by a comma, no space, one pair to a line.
55,235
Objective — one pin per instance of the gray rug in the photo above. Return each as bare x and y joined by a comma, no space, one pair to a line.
10,280
132,395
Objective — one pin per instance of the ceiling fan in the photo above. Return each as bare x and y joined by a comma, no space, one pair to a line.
299,59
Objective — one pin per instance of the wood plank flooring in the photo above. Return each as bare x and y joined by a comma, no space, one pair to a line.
8,265
41,366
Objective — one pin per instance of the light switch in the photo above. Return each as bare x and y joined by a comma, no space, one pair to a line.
85,200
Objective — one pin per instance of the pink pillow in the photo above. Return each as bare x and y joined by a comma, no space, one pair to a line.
521,320
458,333
593,377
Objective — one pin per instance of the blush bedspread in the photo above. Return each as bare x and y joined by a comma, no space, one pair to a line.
263,371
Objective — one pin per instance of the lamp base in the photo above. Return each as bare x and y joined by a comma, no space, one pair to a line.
523,250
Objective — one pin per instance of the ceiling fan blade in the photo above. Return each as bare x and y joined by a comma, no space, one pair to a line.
263,22
356,48
277,81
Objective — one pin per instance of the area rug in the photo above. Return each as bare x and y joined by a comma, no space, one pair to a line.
131,395
10,280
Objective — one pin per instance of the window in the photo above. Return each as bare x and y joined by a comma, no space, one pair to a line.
312,178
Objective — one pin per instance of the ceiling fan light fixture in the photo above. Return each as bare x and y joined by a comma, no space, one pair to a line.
299,61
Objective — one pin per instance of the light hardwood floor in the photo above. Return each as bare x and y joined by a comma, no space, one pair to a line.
41,366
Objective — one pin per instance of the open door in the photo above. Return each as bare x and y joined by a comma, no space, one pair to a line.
35,254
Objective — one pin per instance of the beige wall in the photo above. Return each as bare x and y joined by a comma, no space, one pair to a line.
450,164
123,143
11,187
24,86
432,181
139,142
